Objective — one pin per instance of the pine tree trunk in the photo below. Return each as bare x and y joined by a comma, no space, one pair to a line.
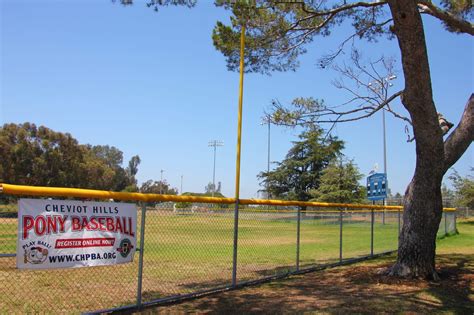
423,203
421,219
423,200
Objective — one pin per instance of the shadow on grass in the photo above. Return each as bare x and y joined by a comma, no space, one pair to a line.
354,289
455,288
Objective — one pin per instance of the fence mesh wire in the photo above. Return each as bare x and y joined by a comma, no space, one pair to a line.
266,243
319,240
356,233
188,248
448,224
385,230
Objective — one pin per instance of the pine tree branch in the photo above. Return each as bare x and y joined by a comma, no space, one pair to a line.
454,23
337,9
315,116
328,59
328,15
370,113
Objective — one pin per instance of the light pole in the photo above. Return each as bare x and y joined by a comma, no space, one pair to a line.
161,181
267,120
215,144
380,88
181,191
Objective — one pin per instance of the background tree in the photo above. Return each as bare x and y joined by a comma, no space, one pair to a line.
448,196
113,157
463,189
301,170
157,187
276,35
397,200
35,156
131,171
208,193
40,156
340,184
210,187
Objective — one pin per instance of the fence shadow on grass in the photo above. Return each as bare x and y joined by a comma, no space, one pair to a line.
205,285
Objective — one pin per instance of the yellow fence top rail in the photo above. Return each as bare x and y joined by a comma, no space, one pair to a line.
22,190
102,194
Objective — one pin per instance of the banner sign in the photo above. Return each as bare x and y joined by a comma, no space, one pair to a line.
69,234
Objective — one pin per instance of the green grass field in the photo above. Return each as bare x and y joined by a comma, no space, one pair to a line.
189,252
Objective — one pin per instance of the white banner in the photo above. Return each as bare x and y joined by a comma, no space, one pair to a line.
68,234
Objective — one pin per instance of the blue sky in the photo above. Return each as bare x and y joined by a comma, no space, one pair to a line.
152,84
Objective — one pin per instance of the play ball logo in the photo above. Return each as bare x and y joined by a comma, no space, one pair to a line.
35,255
125,247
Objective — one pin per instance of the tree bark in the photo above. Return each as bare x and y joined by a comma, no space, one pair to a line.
423,203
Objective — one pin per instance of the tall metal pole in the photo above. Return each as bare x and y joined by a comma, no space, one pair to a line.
380,88
298,237
372,231
237,166
340,235
140,258
384,161
386,81
161,182
181,190
267,120
214,173
215,144
384,143
268,157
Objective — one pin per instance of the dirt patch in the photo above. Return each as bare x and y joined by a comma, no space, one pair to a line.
354,289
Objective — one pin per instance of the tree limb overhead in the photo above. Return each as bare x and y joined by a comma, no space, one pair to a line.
452,22
461,137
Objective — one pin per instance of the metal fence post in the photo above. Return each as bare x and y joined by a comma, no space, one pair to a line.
340,235
455,225
140,258
383,213
236,236
298,227
372,232
445,224
399,225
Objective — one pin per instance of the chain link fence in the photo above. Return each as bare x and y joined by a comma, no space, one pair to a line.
465,212
188,249
447,225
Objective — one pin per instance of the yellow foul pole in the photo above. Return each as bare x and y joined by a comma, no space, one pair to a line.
239,120
237,166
